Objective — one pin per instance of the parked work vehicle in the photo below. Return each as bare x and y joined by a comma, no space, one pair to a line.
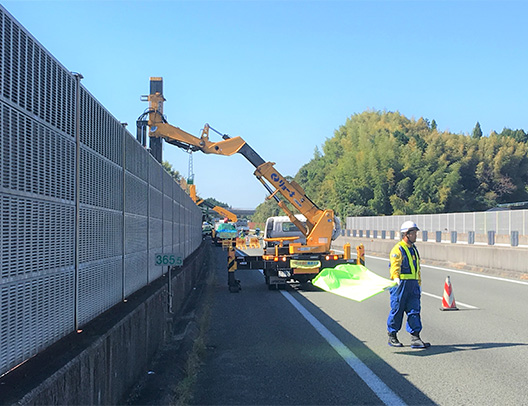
224,231
207,228
279,227
220,210
304,260
242,226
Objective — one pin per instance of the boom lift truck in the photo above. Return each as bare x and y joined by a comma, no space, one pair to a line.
221,233
220,210
232,217
302,261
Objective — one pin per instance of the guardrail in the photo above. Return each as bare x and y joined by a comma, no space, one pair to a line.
503,227
452,237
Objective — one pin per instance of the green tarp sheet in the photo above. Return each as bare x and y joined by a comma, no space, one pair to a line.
354,282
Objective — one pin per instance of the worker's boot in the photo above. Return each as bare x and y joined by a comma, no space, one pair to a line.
393,340
416,341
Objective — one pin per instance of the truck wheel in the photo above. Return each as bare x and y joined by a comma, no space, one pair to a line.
306,285
271,286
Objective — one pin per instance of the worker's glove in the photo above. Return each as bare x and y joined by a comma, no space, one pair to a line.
397,280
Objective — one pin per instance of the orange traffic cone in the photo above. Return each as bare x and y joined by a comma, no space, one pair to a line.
448,301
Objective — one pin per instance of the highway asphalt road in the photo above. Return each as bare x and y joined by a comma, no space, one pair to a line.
309,347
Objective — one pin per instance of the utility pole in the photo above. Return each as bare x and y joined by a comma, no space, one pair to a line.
156,146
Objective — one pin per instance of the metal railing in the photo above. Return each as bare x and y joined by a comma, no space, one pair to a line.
508,227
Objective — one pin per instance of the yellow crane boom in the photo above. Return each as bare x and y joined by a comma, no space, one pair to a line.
321,225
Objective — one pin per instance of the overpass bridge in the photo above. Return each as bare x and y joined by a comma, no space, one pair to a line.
243,212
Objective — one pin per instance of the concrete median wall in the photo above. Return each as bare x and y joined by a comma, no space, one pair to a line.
99,365
507,261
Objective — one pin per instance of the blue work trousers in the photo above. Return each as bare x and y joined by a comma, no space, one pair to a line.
405,298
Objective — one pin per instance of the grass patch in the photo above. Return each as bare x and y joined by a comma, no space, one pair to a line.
184,388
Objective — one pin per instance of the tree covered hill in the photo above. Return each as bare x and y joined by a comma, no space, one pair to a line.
382,163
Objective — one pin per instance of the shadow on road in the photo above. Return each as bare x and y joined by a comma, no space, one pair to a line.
392,378
445,349
263,352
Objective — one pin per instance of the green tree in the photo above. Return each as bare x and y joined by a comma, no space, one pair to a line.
172,172
268,208
433,125
477,131
214,202
383,163
518,135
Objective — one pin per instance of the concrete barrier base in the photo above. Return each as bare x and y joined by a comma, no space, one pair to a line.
101,364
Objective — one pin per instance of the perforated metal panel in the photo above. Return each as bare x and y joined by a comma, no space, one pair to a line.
176,229
100,287
101,234
36,159
167,212
32,79
34,313
36,235
129,208
136,195
100,132
36,197
135,161
136,272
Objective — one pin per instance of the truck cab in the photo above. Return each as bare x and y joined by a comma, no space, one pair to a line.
242,226
224,231
282,227
206,228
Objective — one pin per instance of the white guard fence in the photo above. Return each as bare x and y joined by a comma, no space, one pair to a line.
85,208
507,226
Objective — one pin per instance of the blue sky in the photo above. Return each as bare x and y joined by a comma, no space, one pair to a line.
284,75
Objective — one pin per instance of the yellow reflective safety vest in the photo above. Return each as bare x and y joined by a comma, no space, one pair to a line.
405,262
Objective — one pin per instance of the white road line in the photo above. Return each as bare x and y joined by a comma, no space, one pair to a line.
452,270
497,278
387,396
456,301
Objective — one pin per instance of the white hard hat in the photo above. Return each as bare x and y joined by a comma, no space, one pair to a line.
408,226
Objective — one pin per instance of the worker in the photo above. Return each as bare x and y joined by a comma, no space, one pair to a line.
405,295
